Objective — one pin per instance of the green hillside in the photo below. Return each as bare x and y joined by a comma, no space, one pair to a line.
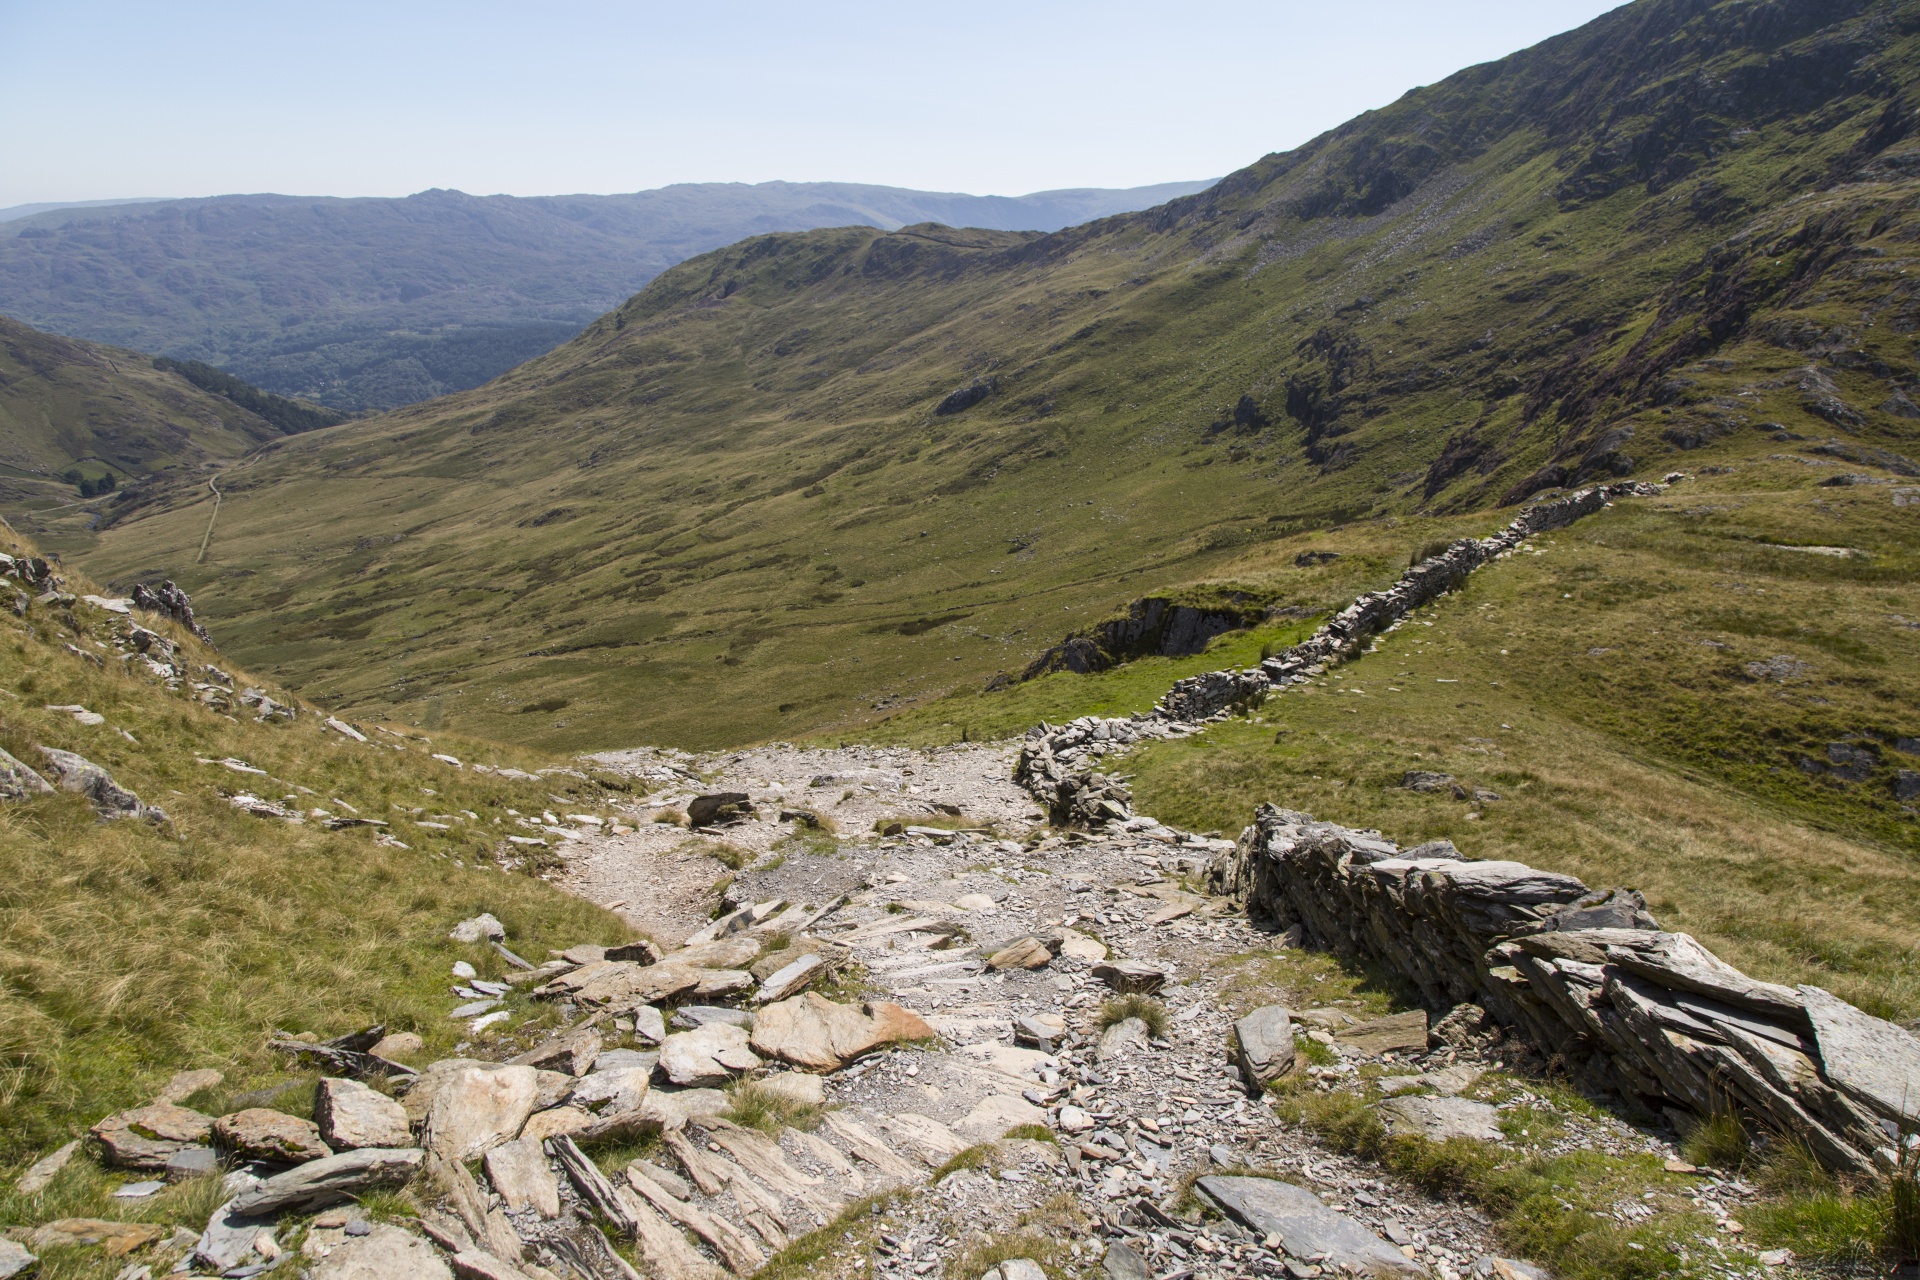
87,432
748,504
372,303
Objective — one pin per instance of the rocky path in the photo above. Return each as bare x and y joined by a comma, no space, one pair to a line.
925,920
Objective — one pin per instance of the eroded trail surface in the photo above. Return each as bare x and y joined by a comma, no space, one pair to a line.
1016,946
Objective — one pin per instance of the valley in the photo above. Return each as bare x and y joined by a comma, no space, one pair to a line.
1363,720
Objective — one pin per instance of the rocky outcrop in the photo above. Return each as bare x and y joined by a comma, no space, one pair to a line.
1151,625
109,799
1591,980
169,601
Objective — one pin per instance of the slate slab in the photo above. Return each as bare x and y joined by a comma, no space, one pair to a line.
1306,1226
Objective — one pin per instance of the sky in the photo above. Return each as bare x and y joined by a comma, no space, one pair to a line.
114,98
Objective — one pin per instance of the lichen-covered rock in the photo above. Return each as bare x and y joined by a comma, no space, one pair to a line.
258,1133
146,1137
109,799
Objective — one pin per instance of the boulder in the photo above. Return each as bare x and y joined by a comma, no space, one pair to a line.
1015,1269
817,1034
1440,1118
14,1259
352,1115
1123,1262
1129,1035
719,808
1307,1228
671,1111
996,1113
555,1122
715,983
384,1253
145,1137
1265,1045
734,952
649,1024
230,1238
1027,953
398,1046
477,1110
707,1056
1131,977
1395,1033
623,983
331,1180
115,1239
1075,1119
259,1133
481,928
109,799
615,1091
426,1086
519,1171
791,979
1079,946
573,1053
18,782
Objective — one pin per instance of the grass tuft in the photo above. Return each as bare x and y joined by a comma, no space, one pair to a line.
1118,1009
752,1105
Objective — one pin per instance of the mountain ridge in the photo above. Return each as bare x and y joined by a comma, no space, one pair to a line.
290,293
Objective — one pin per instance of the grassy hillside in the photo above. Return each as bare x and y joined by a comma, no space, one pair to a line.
74,411
372,303
130,950
734,508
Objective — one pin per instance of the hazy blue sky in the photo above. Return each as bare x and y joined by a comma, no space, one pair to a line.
106,98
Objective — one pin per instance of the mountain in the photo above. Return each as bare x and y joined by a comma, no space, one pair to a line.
374,303
817,476
86,430
13,211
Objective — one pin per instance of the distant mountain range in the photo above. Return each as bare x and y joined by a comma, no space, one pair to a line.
366,304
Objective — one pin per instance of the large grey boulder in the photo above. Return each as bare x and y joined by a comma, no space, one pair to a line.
147,1137
14,1259
1308,1229
519,1171
109,799
1265,1040
478,1109
709,1055
229,1238
352,1115
319,1183
261,1133
17,782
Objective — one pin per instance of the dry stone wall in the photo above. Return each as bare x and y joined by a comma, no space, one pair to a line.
1057,761
1591,979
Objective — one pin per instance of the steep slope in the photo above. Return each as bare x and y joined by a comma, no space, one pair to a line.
373,303
135,947
74,413
813,476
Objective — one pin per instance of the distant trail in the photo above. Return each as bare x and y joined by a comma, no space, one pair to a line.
212,488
